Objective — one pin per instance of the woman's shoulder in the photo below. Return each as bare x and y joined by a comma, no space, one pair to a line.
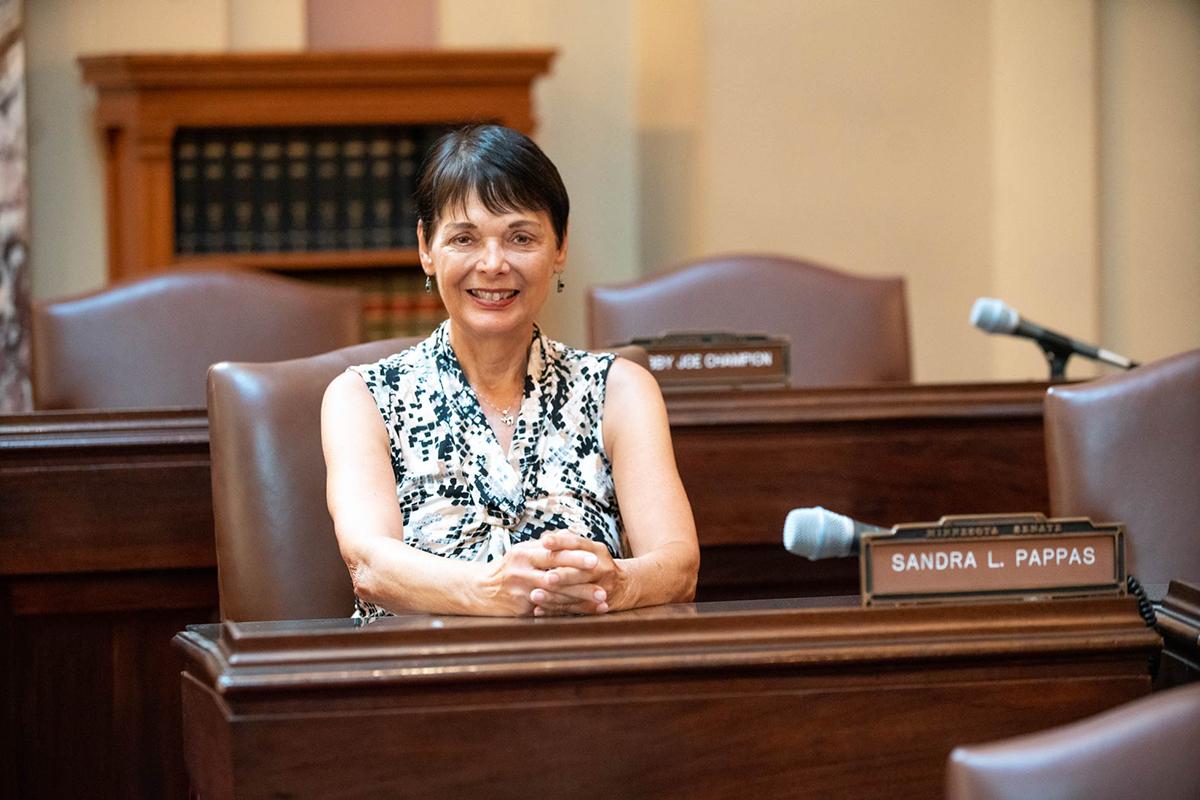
406,359
630,382
585,362
393,371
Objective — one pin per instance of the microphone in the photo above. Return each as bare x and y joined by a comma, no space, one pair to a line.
819,533
995,316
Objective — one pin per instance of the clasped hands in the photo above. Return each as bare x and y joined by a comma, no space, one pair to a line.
556,574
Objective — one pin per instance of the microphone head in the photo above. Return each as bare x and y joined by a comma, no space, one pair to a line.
994,316
816,533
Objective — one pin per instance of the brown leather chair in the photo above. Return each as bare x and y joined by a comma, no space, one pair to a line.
147,343
844,329
277,557
1127,448
1147,748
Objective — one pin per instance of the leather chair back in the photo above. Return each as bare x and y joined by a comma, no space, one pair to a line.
147,343
843,329
277,556
1126,448
1147,748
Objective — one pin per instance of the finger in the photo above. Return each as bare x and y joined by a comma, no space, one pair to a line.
566,576
533,553
561,540
575,559
557,604
566,595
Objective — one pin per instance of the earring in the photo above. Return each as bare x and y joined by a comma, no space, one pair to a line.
560,284
428,285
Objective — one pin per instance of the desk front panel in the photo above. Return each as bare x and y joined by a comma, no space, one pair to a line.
106,541
770,699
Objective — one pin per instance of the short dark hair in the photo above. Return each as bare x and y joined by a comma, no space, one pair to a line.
502,166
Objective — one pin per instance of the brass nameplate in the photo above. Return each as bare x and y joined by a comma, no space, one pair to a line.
713,360
993,556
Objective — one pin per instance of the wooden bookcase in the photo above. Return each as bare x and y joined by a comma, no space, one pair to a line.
143,100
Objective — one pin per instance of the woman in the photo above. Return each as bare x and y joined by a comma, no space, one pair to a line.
472,474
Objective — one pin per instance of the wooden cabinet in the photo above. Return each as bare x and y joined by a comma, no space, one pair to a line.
144,100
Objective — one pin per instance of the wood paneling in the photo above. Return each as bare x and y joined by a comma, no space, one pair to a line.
767,699
105,553
106,542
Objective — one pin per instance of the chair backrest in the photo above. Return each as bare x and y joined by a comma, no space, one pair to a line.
1147,748
277,557
843,329
147,343
1127,448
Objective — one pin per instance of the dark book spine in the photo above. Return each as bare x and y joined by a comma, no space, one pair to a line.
326,175
241,192
213,196
298,208
379,192
269,195
187,194
404,210
352,231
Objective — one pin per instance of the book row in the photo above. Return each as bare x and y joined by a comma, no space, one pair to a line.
297,189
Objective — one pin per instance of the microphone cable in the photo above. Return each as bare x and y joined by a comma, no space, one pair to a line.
1146,609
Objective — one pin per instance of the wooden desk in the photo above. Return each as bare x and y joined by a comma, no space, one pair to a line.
106,542
105,553
814,697
881,454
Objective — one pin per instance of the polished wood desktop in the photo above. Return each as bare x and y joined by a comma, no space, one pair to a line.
774,698
106,546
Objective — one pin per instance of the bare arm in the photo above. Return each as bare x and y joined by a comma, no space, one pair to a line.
361,493
658,519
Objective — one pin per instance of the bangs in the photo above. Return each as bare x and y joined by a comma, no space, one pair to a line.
500,166
500,192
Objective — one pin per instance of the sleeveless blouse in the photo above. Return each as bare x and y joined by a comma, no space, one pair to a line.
460,495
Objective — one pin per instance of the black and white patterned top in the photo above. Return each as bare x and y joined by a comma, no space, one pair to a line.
460,495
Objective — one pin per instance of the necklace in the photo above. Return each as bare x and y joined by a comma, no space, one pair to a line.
506,414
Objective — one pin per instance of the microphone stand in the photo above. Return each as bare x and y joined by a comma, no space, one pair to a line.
1057,349
1056,356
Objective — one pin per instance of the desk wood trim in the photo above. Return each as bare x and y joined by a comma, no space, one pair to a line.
725,699
240,658
879,402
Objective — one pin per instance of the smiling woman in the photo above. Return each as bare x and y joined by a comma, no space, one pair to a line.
490,470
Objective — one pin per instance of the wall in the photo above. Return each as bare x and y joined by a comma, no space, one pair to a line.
585,110
1044,152
371,24
855,133
1045,175
67,239
1150,157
